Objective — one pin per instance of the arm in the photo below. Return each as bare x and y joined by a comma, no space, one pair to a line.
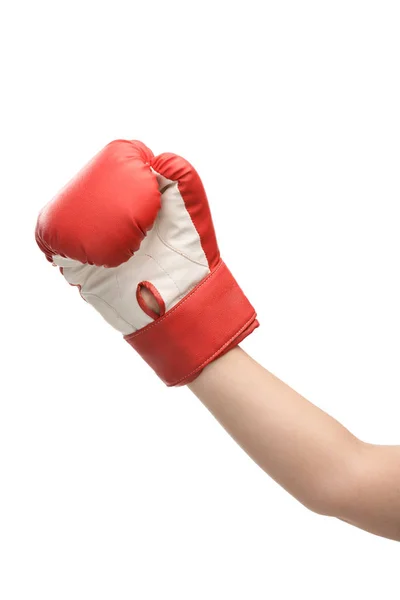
302,448
99,228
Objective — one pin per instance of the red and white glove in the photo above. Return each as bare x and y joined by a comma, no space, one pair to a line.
131,220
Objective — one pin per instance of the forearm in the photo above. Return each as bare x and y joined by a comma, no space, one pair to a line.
305,450
296,443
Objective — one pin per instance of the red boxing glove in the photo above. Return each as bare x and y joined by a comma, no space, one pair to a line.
131,220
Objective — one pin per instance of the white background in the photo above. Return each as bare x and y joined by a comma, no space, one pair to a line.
113,486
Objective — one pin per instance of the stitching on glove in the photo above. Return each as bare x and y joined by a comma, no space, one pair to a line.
196,262
109,306
162,269
118,287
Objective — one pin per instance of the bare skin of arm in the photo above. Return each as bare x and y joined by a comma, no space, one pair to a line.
301,447
306,451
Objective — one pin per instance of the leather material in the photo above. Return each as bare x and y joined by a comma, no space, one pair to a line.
94,219
208,321
130,221
173,168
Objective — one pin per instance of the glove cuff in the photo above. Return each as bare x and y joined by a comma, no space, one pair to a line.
213,318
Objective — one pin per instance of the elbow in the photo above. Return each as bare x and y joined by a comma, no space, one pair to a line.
357,490
324,499
336,491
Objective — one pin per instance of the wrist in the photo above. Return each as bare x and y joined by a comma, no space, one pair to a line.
213,318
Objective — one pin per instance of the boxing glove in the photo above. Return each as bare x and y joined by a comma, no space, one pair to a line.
130,221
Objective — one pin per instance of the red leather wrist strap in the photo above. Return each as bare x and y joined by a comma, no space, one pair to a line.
214,317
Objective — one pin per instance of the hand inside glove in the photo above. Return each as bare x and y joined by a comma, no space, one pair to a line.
134,232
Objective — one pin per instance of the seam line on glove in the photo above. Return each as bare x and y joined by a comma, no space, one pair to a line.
196,262
85,294
164,271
